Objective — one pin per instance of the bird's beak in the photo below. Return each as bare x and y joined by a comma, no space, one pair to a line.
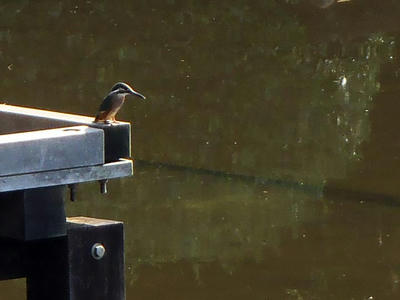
132,92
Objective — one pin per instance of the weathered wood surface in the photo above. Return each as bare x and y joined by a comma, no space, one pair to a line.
52,149
117,136
96,279
118,169
64,268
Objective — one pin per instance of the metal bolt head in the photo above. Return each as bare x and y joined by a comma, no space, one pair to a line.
98,251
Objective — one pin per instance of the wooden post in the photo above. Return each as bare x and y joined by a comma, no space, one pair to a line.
41,152
86,265
93,277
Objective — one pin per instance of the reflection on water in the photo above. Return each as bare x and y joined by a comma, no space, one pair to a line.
283,94
323,3
266,107
197,235
14,289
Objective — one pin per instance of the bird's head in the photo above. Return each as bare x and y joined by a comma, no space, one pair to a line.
125,90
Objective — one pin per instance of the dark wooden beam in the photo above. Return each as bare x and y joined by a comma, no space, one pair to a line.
68,268
33,214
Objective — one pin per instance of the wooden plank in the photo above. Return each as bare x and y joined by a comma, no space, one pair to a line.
52,149
33,214
20,119
117,136
64,269
118,169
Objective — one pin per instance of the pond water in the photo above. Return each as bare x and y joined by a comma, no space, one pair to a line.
267,151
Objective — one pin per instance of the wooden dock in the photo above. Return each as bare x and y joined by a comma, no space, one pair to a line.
42,153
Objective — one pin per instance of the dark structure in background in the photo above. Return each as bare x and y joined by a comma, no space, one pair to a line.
41,154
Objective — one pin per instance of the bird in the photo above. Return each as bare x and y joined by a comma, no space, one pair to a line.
113,102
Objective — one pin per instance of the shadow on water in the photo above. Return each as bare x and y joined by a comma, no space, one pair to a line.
244,178
328,191
202,235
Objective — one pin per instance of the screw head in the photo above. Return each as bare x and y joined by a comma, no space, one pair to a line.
98,251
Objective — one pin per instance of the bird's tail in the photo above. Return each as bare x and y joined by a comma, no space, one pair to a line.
101,116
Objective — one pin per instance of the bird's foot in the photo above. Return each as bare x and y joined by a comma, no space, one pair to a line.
111,122
107,122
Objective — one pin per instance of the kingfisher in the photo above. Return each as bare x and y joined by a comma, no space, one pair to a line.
113,102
